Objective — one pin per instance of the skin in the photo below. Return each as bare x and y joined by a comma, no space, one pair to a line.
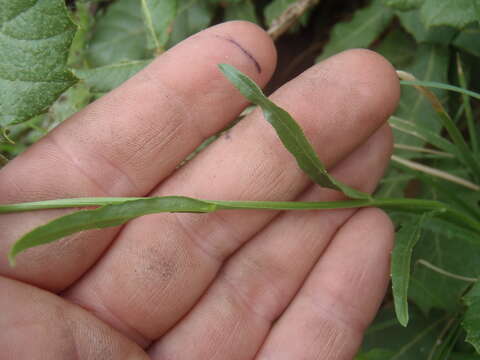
229,285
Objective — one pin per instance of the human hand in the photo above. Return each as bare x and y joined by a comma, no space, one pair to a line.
227,285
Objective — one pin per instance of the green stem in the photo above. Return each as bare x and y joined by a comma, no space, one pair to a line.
411,205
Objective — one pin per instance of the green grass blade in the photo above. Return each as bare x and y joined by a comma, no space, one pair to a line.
423,133
454,132
468,107
437,85
105,216
406,239
289,132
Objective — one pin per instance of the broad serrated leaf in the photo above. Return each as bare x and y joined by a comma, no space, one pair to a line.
471,322
105,216
451,248
455,13
289,133
244,10
35,39
404,5
106,78
158,16
362,30
405,240
119,35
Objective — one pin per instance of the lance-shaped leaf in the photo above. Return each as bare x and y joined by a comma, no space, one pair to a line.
289,132
405,240
105,216
35,40
471,322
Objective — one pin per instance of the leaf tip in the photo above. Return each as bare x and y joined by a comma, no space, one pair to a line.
11,257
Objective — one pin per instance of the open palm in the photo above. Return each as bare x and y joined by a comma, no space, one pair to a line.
227,285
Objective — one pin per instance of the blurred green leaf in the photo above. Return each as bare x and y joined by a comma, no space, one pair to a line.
289,133
106,78
413,342
119,35
158,16
244,10
390,45
362,30
375,354
469,41
471,322
431,64
34,42
192,17
456,13
404,5
412,23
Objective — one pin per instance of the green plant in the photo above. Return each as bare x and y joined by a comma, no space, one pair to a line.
438,153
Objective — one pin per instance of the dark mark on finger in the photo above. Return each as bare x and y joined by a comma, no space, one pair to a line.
246,52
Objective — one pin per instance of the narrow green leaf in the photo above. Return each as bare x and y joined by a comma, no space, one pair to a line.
472,126
465,155
361,31
158,16
405,240
105,216
35,39
439,85
289,133
105,78
471,322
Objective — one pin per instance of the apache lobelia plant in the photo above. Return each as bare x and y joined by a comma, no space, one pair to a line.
446,215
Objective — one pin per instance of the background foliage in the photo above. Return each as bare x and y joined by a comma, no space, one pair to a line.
72,55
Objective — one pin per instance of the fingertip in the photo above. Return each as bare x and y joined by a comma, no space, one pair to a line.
372,76
378,77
